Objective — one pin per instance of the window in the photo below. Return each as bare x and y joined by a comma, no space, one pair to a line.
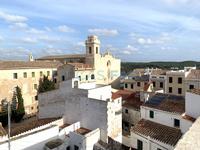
33,74
90,50
14,75
68,148
63,78
92,76
31,108
79,78
25,75
48,73
76,147
96,50
126,85
179,90
35,86
191,87
41,73
176,123
139,145
126,111
151,114
159,149
179,80
170,89
55,80
154,84
138,83
131,86
86,77
170,79
161,84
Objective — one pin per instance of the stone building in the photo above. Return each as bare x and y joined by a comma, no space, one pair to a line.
26,75
104,68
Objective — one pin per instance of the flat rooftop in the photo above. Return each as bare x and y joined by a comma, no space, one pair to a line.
83,131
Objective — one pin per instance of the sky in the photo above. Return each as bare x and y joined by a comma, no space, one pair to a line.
132,30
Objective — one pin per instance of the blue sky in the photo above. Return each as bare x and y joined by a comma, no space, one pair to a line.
133,30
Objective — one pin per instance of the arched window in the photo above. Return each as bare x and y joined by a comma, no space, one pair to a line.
92,76
86,77
97,51
90,50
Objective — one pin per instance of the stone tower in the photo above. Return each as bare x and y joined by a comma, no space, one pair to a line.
92,49
31,57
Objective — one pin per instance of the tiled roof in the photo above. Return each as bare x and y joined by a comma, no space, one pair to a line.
194,74
54,143
2,131
162,133
158,72
195,91
23,127
8,65
52,57
133,101
121,93
81,65
166,102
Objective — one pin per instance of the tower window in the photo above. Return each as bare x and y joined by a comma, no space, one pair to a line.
86,77
92,76
154,84
97,51
138,84
90,50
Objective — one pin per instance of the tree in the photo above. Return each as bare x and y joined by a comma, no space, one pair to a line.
45,85
19,112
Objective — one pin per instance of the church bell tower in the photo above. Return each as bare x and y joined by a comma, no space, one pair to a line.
92,49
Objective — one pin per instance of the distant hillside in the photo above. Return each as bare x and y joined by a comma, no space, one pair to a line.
129,66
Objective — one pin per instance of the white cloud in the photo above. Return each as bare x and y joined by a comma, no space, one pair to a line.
141,41
82,44
104,32
64,28
12,18
35,31
29,40
129,49
19,26
50,39
47,29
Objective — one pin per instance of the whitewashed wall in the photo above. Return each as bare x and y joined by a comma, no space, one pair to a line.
192,105
165,118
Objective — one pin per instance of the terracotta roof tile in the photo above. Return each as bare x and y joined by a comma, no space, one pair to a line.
81,65
8,65
195,91
162,133
52,57
121,93
133,101
23,127
187,117
194,74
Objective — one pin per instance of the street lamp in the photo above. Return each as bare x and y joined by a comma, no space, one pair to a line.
9,124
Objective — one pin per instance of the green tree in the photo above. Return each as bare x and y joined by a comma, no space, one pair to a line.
19,112
45,85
